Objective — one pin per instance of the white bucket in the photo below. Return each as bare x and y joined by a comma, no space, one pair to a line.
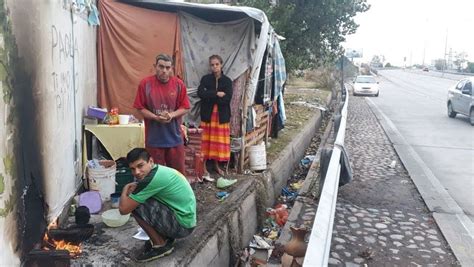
103,179
258,157
123,119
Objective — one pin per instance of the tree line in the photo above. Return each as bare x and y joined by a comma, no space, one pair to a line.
313,29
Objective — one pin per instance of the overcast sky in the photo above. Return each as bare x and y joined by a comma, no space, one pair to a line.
413,28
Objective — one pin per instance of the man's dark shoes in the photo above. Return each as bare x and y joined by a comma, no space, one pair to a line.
147,246
152,253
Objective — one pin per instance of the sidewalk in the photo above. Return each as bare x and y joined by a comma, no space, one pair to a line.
381,219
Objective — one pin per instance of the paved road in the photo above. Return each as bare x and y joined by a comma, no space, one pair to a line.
381,219
416,104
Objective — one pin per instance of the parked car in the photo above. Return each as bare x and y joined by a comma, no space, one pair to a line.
426,69
366,85
460,99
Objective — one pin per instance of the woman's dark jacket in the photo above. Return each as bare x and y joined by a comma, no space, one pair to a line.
207,91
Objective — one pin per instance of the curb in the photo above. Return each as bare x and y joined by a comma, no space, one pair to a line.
456,227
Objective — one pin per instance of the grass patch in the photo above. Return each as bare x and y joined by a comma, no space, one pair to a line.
297,116
301,83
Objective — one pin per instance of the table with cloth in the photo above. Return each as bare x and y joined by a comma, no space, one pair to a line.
118,140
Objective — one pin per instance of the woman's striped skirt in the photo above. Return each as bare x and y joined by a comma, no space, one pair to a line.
215,138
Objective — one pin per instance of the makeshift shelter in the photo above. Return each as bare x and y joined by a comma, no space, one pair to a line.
132,33
53,78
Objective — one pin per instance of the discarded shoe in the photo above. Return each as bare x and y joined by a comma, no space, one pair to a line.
223,183
207,177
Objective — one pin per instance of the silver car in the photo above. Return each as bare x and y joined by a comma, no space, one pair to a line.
460,99
366,85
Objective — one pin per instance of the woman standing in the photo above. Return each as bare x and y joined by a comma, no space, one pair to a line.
215,91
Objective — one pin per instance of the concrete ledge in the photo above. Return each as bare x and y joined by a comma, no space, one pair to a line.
226,230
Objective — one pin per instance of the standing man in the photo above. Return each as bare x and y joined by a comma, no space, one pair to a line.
161,201
162,100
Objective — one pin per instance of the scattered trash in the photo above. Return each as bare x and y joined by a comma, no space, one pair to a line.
141,234
273,235
288,195
279,214
260,243
223,183
323,109
222,195
270,222
207,177
296,186
244,258
306,161
250,172
393,164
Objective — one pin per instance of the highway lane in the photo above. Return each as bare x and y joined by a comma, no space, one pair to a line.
416,104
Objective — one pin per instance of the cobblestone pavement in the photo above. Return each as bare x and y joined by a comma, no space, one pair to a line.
381,219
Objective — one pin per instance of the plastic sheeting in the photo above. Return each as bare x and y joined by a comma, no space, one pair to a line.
234,41
280,79
262,42
129,40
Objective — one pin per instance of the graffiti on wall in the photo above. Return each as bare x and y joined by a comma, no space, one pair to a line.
64,48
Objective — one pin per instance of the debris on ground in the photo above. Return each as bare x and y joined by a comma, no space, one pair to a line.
223,182
277,216
222,195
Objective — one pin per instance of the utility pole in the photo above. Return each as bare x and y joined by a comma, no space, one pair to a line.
342,76
445,52
424,52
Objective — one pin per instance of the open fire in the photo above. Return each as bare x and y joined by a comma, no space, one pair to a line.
50,242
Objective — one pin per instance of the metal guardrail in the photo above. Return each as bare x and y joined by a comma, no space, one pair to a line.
317,253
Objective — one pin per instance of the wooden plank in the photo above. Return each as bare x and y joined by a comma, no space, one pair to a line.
257,139
255,134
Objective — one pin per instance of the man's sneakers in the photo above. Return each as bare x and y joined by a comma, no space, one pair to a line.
154,252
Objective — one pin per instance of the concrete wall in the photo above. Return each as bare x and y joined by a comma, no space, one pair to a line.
8,131
53,77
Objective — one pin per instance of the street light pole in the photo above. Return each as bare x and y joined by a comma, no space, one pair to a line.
445,52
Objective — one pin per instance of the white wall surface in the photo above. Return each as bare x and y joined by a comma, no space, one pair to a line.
59,51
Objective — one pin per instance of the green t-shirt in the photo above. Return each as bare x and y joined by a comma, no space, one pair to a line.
171,188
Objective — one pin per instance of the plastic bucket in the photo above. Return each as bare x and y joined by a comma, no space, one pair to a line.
258,157
103,179
123,119
123,176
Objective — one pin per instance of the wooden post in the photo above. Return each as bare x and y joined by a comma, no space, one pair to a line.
243,126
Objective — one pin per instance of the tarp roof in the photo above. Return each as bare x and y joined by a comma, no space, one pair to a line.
209,12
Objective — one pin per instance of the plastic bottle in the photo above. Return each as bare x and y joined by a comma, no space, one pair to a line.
114,116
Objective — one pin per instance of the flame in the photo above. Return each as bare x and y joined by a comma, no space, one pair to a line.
74,250
49,243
